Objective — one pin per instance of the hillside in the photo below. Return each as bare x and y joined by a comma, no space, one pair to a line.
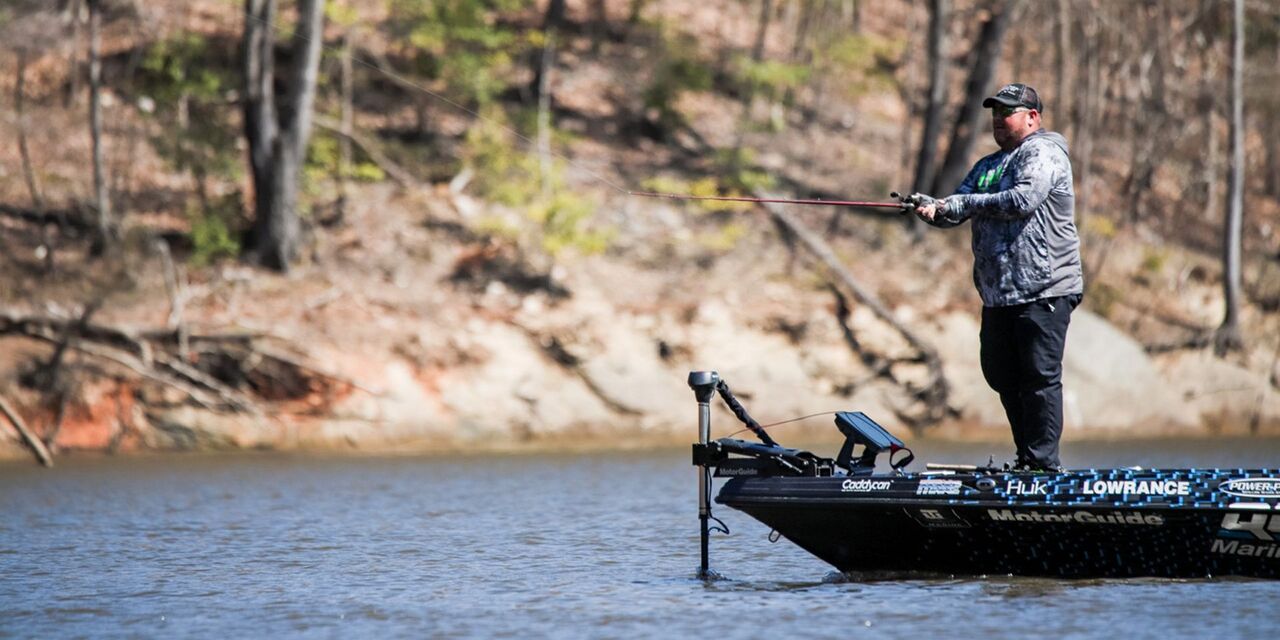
464,286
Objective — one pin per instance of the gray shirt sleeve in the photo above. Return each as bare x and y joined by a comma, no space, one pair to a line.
1036,170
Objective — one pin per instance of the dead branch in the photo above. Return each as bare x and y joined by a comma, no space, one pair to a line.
65,218
304,366
233,398
68,335
370,149
173,284
36,444
1196,342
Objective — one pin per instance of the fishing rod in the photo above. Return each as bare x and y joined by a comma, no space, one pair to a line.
904,203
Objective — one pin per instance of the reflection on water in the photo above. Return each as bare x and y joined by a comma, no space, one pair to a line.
590,545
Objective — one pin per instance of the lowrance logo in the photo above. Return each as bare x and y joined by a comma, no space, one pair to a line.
938,488
1252,487
864,485
1137,487
1082,517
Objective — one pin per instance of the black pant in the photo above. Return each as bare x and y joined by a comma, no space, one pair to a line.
1022,349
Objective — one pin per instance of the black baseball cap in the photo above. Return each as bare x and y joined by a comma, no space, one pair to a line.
1015,95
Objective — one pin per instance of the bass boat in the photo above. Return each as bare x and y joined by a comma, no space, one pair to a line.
984,520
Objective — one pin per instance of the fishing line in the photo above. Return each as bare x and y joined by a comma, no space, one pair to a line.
788,421
270,24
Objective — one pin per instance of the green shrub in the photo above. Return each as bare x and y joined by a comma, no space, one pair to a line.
211,235
678,68
864,63
511,176
460,43
770,78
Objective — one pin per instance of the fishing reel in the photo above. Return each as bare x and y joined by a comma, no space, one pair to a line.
911,202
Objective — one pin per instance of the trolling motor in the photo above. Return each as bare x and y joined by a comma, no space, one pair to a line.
768,458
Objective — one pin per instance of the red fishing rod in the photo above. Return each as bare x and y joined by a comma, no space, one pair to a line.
904,203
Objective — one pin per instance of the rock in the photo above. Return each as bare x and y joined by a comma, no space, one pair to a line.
1224,395
190,428
1110,383
1113,385
518,392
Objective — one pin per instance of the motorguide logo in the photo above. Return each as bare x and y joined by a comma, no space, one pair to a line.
938,488
865,485
1252,487
1082,517
1137,487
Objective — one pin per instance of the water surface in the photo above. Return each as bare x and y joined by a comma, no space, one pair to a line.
591,545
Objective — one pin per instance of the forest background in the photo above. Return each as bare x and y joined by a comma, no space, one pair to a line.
403,225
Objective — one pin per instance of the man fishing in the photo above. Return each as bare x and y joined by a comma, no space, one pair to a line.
1026,266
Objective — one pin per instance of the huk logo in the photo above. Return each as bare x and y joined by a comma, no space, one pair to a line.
1258,526
1020,488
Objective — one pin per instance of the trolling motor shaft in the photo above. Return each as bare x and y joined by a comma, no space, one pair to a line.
704,385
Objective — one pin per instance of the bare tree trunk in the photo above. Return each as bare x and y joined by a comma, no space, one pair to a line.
71,15
1229,336
544,116
599,24
1087,101
1272,185
762,30
346,82
19,101
551,23
102,199
809,9
277,236
938,63
258,48
853,11
1273,131
1062,56
983,62
1209,161
24,152
633,14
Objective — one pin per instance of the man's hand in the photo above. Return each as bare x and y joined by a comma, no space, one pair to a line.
926,207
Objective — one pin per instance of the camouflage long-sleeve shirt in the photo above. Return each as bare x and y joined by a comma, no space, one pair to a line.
1025,245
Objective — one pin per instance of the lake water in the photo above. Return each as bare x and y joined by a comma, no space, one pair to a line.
591,545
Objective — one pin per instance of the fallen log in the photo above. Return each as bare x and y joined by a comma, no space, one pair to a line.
34,443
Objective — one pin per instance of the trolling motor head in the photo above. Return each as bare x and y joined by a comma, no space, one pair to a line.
703,384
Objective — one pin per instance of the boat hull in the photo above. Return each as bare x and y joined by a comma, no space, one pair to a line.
1097,523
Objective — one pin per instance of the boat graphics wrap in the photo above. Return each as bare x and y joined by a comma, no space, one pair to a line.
1086,523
